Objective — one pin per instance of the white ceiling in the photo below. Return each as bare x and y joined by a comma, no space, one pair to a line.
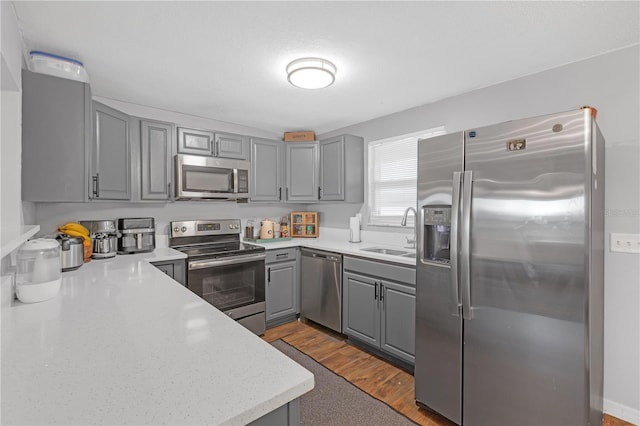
226,60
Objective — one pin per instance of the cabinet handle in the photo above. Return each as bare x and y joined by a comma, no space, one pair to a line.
96,185
169,191
280,193
216,147
286,193
381,292
318,193
375,293
268,275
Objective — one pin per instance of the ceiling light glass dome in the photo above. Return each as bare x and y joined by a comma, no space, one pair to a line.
311,73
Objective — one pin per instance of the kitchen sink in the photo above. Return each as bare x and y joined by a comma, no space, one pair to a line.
392,252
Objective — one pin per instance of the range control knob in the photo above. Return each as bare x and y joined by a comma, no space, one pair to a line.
230,226
183,229
236,226
176,229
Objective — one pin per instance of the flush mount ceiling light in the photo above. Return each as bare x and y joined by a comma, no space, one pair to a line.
311,73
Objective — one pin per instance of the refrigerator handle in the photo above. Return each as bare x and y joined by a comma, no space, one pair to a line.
454,297
465,246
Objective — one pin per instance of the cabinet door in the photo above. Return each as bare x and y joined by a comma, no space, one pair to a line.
155,155
231,146
175,269
56,138
196,142
361,316
282,290
398,311
302,171
332,169
266,170
110,154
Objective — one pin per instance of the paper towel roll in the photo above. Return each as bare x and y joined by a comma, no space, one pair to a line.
354,230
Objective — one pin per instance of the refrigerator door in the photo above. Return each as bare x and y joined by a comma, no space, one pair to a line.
524,357
438,359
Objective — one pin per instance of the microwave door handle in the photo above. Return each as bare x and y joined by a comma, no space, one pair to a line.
235,181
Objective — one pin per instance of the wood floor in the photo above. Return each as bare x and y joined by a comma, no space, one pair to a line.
377,377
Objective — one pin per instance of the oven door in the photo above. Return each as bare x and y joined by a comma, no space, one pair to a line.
235,285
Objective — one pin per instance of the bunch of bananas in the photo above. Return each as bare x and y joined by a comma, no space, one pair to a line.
74,229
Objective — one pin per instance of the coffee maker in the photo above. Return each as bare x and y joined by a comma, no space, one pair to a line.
136,235
104,237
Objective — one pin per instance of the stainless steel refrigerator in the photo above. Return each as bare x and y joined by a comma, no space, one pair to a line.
509,308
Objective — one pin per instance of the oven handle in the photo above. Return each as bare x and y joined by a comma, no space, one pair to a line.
201,264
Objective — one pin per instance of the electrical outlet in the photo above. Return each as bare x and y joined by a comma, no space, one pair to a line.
625,243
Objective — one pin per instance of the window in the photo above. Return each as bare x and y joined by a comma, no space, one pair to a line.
392,177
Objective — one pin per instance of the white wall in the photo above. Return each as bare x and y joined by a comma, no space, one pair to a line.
611,84
11,119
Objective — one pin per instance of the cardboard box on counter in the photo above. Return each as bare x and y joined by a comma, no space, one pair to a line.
299,136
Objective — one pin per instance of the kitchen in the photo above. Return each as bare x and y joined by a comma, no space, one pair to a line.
608,81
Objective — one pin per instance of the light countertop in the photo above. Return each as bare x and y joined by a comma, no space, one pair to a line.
337,240
124,344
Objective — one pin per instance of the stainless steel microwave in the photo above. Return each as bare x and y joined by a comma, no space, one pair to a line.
208,178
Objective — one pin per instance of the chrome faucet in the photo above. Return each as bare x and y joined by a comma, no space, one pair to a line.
411,242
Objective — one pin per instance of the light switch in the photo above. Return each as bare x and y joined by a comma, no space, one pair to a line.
625,243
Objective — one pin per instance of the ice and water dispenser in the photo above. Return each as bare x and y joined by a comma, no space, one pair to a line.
437,228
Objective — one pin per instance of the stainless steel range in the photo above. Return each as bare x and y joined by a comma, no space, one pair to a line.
222,270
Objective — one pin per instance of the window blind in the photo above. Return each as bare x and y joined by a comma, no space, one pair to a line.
392,177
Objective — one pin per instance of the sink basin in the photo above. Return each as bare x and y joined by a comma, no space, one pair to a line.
392,252
412,255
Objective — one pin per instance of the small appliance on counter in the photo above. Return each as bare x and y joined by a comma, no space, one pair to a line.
136,235
72,252
104,237
38,274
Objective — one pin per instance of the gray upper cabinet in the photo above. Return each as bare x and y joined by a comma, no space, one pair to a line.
210,144
56,133
228,145
110,155
266,170
196,142
342,169
332,169
328,170
301,163
155,159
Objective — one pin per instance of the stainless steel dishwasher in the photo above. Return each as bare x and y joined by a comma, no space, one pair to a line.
321,288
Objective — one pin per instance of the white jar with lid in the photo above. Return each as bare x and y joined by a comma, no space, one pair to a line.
39,267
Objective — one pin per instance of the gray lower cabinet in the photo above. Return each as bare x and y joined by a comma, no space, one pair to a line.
286,415
155,160
282,286
176,269
301,163
210,144
110,166
56,134
266,170
379,306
